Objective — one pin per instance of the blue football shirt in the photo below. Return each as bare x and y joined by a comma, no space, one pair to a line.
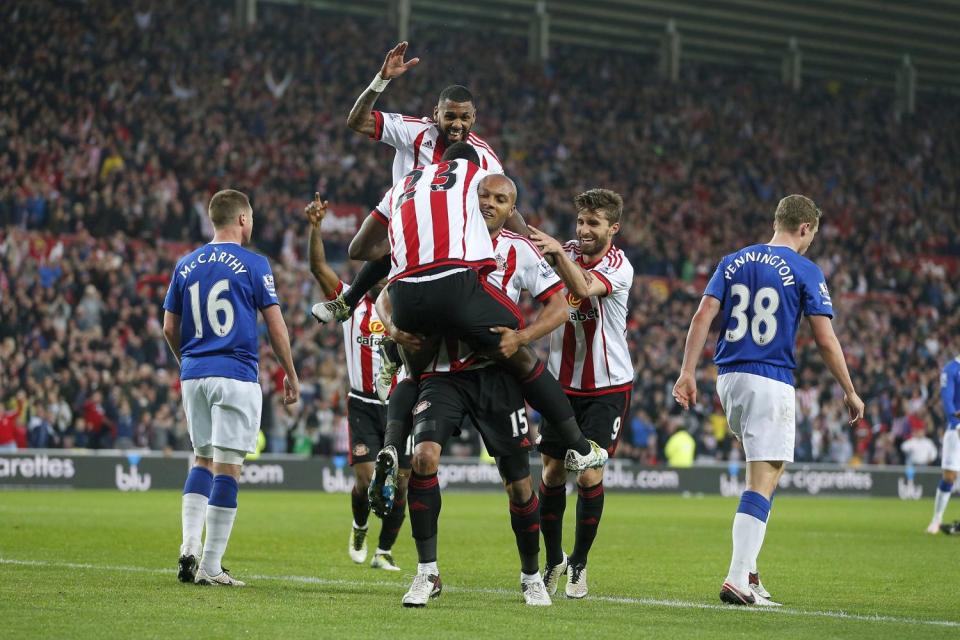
950,391
217,291
765,290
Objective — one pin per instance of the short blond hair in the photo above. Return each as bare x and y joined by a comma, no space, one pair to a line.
603,201
795,210
226,206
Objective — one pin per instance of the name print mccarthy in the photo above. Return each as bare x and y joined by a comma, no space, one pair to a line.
222,257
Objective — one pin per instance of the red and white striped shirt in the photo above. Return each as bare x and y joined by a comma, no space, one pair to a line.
588,353
433,219
418,143
520,267
362,335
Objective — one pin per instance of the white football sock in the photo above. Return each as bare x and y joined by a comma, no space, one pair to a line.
193,513
429,568
747,540
219,524
940,505
753,567
534,577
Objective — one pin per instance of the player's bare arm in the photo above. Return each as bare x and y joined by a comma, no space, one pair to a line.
517,224
361,117
280,343
832,354
552,315
171,332
322,273
371,242
685,390
574,278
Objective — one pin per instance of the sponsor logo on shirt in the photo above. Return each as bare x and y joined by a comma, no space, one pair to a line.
376,326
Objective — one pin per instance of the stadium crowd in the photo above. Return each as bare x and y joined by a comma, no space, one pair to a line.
117,124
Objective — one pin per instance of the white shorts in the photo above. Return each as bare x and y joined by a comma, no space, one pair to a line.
761,413
950,456
222,412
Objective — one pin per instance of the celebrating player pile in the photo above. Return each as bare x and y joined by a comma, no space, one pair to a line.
763,291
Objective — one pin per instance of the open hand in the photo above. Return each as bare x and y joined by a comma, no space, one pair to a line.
547,245
393,64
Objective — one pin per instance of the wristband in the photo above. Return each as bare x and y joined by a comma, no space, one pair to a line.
378,84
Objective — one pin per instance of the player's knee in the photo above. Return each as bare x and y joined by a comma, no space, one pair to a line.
950,476
554,473
590,477
426,460
363,474
519,491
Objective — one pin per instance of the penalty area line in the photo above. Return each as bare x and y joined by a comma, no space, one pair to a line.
641,602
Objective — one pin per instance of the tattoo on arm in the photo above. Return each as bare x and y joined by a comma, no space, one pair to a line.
361,119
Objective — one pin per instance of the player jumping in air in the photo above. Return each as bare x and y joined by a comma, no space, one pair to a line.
366,413
459,385
210,323
762,292
950,455
419,142
590,358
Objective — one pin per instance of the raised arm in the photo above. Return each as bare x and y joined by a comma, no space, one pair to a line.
171,332
280,343
685,390
832,355
361,118
328,280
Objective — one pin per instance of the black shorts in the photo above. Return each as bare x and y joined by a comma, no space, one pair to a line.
600,418
461,305
488,398
367,424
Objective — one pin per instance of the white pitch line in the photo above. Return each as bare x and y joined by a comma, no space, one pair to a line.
644,602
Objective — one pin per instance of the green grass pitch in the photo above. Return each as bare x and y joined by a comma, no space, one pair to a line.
98,564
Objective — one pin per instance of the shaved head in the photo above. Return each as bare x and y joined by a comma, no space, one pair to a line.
498,196
499,183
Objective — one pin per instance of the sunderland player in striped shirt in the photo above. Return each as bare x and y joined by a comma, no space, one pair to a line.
419,141
366,413
440,252
590,358
761,293
210,324
459,385
950,454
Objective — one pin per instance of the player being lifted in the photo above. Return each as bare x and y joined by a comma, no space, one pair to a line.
950,454
210,323
762,291
441,252
458,385
590,358
418,142
366,413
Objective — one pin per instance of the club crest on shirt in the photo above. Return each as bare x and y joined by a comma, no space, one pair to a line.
360,449
501,262
421,407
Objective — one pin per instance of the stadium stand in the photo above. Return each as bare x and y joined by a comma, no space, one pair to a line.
117,124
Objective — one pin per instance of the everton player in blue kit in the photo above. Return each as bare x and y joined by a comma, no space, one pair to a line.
210,323
761,292
950,454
